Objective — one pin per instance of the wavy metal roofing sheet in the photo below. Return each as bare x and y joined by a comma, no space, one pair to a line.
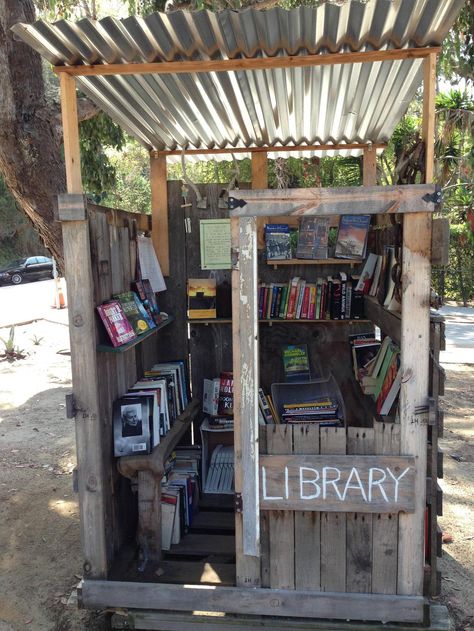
347,103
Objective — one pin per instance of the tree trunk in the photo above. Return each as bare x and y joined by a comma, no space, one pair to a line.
30,144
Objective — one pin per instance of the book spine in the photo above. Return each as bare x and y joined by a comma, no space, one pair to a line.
292,300
278,301
349,289
305,303
274,301
312,303
343,299
335,306
261,296
283,302
269,301
301,288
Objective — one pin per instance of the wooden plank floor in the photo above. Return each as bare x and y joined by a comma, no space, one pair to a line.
203,545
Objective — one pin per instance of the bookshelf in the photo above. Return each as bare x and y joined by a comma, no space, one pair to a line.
273,321
108,348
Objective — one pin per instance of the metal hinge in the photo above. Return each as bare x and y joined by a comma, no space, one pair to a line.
435,198
233,203
239,508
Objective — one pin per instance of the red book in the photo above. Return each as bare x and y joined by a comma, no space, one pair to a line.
305,304
292,299
118,327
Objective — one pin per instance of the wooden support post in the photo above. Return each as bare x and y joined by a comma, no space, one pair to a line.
415,340
369,168
89,443
245,365
159,211
260,181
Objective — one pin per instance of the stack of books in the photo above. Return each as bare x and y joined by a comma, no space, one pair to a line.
322,410
378,278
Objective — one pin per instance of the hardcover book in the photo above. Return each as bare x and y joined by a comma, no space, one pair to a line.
201,298
277,241
225,405
296,362
352,236
135,312
313,238
119,329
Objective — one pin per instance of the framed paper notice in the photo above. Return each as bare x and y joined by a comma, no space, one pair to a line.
215,243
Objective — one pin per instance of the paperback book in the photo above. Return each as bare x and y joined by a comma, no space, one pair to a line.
201,298
277,241
352,236
135,312
313,238
225,405
118,327
296,362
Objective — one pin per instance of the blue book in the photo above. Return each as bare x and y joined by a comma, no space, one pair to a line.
277,241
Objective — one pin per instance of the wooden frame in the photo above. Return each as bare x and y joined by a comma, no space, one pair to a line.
265,150
254,63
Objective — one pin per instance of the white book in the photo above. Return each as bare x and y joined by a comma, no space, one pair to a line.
168,512
210,396
375,282
367,273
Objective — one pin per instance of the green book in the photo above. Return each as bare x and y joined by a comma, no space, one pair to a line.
296,362
139,322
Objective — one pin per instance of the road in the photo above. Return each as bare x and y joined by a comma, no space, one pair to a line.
459,335
30,301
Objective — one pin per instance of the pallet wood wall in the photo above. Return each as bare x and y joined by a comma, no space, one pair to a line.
330,551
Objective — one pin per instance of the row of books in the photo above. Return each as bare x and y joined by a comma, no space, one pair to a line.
147,411
331,298
130,314
312,238
179,493
220,473
321,410
378,278
377,369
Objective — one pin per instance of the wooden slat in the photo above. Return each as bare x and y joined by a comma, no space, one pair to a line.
274,602
414,392
159,211
307,524
197,572
259,163
281,523
213,521
359,525
203,545
433,463
334,201
244,334
72,151
256,63
170,621
429,96
385,525
333,525
275,149
369,169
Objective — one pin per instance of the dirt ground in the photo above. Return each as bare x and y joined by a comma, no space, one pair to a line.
40,553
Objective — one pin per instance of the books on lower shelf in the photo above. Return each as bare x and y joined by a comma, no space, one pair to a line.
179,493
380,377
331,298
220,473
147,411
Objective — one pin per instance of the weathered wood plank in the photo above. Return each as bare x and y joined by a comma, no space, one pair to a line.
349,483
159,211
281,522
414,392
333,525
72,151
334,201
259,165
359,525
274,602
244,333
385,525
149,515
307,524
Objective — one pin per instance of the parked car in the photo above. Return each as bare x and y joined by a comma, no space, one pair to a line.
30,268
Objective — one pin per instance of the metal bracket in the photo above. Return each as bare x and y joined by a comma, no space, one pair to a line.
71,409
435,198
234,203
239,507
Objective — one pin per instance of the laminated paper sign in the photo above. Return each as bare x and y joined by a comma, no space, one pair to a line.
215,243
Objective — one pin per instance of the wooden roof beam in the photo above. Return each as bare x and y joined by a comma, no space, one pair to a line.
230,150
254,63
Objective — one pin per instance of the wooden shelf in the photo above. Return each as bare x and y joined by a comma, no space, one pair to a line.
108,348
155,461
332,261
277,321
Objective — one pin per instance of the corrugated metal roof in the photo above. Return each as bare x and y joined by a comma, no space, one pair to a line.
350,103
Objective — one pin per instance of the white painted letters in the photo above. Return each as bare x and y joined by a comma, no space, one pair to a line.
313,481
